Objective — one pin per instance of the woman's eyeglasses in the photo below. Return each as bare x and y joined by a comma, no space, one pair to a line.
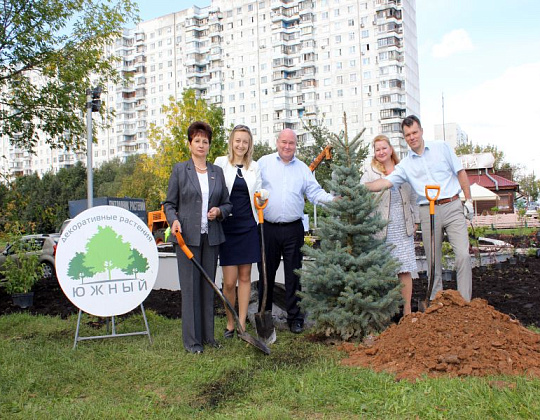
241,127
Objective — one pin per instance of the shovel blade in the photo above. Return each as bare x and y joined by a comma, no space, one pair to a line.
423,305
264,325
253,341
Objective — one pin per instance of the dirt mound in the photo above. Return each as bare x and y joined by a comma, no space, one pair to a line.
452,338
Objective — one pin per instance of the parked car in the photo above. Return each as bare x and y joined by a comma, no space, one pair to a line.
42,244
64,225
532,211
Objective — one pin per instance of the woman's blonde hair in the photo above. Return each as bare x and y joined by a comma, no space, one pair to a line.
374,162
248,157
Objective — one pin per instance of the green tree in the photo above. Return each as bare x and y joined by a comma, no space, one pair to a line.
106,251
529,186
307,153
139,181
112,178
61,43
170,141
138,264
67,184
41,205
260,150
350,287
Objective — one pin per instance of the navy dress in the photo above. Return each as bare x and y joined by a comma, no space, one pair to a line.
242,244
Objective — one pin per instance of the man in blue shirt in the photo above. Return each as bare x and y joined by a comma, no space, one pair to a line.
287,180
435,163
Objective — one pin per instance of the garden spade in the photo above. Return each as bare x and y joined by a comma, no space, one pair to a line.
240,331
264,324
423,304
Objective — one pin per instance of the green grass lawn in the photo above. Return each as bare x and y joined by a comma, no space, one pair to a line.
41,377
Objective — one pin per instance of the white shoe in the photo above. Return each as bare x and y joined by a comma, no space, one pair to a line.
272,339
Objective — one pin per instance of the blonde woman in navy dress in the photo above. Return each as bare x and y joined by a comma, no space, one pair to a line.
398,206
242,245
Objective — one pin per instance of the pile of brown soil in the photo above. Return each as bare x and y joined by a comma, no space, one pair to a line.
452,338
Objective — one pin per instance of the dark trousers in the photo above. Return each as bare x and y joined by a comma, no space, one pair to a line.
283,240
197,295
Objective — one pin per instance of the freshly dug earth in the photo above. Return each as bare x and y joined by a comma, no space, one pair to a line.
452,338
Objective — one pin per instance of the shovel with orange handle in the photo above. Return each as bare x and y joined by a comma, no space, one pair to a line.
435,191
241,332
264,324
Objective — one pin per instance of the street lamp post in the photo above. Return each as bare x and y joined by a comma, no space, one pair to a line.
93,104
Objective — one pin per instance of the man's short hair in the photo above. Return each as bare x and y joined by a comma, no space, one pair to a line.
409,121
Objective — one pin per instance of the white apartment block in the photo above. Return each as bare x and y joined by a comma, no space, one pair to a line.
451,133
270,64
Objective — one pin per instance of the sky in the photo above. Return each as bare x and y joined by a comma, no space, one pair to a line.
482,56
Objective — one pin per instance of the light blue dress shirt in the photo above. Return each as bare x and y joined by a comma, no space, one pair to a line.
287,184
438,165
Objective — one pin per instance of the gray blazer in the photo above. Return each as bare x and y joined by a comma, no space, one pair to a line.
184,202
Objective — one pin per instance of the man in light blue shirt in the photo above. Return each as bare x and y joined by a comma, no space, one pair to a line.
435,163
287,180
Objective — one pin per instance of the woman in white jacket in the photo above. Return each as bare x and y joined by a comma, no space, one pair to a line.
398,206
242,245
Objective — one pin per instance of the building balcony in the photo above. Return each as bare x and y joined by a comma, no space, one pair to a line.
392,113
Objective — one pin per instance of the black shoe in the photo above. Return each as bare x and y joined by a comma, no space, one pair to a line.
297,327
228,334
194,351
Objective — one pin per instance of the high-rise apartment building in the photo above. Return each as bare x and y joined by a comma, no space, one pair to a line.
451,133
270,64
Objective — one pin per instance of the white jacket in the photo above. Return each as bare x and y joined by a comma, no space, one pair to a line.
408,200
252,176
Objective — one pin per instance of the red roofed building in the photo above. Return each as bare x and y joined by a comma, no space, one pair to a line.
479,168
499,184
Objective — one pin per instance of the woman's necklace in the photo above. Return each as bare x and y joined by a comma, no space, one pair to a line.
200,169
239,171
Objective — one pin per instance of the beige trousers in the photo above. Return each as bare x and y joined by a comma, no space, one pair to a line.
448,217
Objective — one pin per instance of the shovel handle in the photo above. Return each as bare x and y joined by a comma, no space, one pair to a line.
183,245
259,207
432,198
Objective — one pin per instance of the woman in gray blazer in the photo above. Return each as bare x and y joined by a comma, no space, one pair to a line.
197,201
397,206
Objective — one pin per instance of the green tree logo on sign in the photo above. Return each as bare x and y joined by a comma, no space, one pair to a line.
106,251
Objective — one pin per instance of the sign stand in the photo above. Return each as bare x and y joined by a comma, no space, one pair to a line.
113,332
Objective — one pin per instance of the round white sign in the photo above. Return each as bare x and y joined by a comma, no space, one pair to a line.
106,261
